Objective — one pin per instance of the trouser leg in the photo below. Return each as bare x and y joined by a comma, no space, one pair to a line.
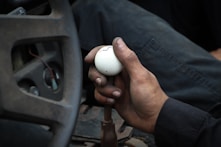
185,71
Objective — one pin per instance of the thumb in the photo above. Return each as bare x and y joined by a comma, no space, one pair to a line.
127,57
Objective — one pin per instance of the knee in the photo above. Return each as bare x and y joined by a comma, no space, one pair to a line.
92,6
86,6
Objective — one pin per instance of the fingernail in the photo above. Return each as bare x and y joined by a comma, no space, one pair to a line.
116,93
98,81
110,101
119,42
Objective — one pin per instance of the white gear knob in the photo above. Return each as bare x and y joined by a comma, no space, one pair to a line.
106,61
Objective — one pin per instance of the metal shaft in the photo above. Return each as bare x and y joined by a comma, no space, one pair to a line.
108,135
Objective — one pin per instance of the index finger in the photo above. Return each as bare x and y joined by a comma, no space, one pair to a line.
91,55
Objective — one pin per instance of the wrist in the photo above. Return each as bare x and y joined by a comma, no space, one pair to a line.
151,120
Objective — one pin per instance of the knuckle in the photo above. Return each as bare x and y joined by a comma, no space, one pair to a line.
91,73
131,56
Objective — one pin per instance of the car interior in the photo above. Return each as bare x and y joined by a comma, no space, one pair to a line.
42,99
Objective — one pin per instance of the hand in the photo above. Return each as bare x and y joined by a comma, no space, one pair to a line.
136,93
216,53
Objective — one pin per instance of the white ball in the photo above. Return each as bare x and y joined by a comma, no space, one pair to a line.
106,62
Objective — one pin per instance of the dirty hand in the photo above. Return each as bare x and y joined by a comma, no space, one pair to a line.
136,93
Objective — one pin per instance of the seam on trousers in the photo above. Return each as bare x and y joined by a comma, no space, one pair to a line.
183,68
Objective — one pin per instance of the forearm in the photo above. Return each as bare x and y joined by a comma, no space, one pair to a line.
181,125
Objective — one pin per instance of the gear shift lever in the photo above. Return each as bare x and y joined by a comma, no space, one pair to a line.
107,63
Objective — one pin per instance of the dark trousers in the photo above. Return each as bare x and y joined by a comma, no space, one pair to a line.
185,71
